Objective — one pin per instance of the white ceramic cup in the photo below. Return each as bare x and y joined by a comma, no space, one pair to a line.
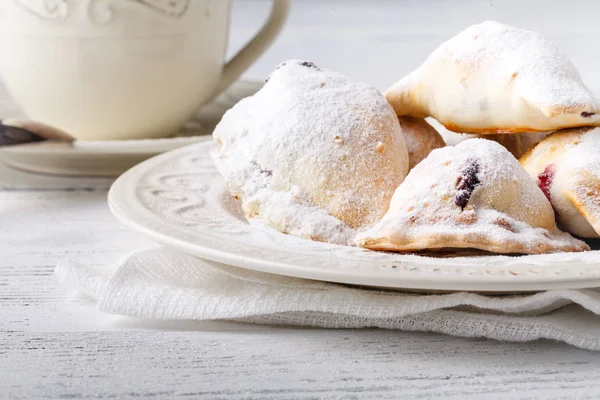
121,69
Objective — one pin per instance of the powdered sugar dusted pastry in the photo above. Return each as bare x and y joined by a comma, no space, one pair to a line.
421,138
494,78
566,166
474,195
312,154
517,143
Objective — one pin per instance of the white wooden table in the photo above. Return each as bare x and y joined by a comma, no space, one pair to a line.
54,345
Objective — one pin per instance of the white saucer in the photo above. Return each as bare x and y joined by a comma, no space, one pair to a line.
111,158
178,199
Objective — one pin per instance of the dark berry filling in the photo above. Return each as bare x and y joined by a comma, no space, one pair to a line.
545,180
261,170
467,182
586,114
283,64
309,64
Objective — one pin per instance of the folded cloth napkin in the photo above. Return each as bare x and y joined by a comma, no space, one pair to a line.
166,285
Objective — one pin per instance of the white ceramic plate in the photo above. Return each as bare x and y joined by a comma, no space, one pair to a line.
178,199
111,158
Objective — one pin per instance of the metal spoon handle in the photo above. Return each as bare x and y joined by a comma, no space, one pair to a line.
11,135
17,131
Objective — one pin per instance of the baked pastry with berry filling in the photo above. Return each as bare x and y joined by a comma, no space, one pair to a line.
566,166
494,78
421,139
474,195
517,143
313,153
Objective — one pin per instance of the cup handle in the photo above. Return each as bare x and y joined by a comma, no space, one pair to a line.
256,46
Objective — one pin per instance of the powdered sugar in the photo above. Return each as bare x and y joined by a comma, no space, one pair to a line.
504,211
494,78
420,137
543,74
312,154
580,171
498,172
585,155
566,167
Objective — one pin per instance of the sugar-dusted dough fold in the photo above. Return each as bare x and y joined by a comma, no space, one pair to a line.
494,78
420,137
474,195
566,165
313,153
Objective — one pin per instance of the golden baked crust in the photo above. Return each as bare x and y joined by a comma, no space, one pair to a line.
584,193
473,195
566,165
313,153
517,143
445,240
552,147
497,79
420,137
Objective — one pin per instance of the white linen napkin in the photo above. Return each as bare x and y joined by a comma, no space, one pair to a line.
166,285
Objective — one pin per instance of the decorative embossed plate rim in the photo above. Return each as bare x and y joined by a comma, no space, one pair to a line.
179,200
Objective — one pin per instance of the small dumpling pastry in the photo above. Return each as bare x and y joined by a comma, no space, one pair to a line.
494,78
421,139
566,166
517,143
474,195
312,154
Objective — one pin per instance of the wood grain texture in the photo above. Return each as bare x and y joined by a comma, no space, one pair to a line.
53,344
285,363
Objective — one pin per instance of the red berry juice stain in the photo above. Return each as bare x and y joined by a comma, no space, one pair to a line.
545,180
